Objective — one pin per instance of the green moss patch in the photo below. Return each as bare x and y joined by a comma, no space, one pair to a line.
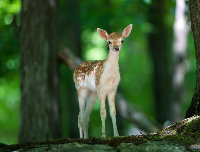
186,132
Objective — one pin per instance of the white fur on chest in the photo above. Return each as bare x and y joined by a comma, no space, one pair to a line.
110,78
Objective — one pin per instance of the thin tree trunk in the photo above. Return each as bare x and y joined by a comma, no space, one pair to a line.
195,21
75,26
75,41
40,107
179,63
159,52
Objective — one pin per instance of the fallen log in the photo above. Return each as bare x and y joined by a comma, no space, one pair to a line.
182,136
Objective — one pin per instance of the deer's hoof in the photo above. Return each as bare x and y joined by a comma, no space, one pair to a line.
103,136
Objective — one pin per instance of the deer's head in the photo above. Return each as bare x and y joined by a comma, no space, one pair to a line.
115,39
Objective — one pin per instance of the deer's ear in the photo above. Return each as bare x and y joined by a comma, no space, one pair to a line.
102,33
127,31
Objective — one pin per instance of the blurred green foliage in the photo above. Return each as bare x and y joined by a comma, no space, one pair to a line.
9,70
135,64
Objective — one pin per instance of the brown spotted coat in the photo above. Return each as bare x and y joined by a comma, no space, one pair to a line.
86,68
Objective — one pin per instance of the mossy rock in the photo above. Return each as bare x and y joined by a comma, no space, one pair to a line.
192,128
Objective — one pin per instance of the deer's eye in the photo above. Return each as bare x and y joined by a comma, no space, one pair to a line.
122,41
109,42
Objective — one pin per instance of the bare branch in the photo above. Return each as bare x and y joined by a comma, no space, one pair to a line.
123,107
127,111
68,58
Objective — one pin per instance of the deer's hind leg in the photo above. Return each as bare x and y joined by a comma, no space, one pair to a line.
82,95
88,109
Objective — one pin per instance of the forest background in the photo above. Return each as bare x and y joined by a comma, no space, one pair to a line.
148,62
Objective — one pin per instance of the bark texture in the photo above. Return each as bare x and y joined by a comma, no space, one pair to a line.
40,107
195,23
159,52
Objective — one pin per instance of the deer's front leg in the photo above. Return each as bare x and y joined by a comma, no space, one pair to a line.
111,101
102,98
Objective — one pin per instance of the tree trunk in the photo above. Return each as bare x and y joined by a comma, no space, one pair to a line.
75,40
159,52
195,21
179,62
40,107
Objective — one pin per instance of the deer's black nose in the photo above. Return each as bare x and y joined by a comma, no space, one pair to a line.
116,49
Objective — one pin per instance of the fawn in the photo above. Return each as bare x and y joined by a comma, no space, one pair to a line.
99,78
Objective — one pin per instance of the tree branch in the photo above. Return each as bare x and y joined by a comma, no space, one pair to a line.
68,58
127,111
123,107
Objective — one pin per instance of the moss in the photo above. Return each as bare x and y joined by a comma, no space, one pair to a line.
113,142
180,139
186,132
3,146
179,127
192,128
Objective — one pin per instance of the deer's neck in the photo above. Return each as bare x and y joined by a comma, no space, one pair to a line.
111,62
